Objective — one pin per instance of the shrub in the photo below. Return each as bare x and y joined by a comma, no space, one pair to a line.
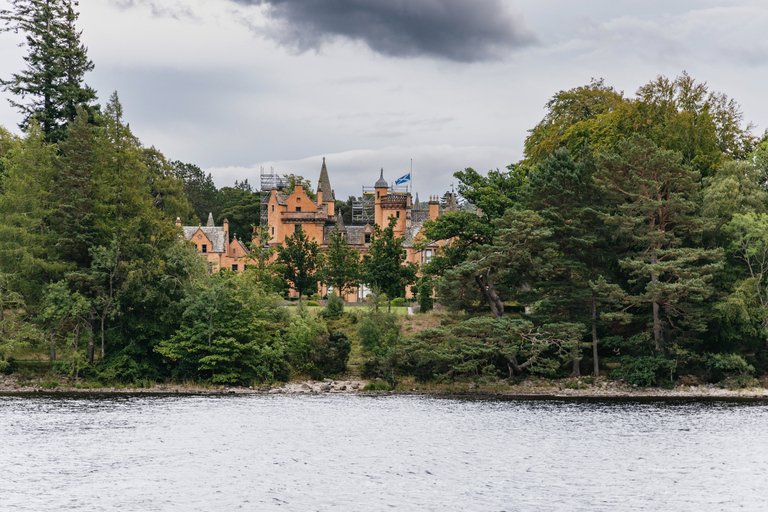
331,354
334,307
398,302
646,370
311,303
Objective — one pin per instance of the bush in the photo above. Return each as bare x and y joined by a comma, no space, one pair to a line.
722,366
646,370
311,303
334,307
398,302
330,355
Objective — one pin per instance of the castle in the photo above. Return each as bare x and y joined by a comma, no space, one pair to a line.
284,211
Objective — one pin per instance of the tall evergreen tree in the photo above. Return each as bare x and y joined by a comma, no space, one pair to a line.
654,195
51,88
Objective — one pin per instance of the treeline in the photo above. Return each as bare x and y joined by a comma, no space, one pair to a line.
634,230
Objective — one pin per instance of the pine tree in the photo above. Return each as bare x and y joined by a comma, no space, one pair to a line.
57,62
654,195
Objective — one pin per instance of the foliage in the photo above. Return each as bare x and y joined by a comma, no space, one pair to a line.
229,334
334,307
341,265
484,347
299,259
384,267
56,61
331,354
426,289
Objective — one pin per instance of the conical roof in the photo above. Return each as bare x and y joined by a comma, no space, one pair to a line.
324,184
381,183
210,219
416,204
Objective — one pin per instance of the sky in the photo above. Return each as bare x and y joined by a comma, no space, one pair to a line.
241,86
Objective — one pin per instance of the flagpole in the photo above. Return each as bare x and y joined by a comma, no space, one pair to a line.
411,173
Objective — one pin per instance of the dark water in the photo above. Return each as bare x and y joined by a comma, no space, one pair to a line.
380,453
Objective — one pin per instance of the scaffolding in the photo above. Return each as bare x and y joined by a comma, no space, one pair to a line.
363,210
268,182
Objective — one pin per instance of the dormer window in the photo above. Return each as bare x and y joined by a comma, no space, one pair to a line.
298,208
367,238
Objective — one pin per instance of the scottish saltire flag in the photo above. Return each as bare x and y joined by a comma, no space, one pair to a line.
403,179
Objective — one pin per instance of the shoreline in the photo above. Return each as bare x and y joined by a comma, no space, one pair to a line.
526,389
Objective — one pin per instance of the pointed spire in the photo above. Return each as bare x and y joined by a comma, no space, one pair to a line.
324,184
340,223
210,219
416,204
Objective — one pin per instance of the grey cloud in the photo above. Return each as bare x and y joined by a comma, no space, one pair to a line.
455,30
177,11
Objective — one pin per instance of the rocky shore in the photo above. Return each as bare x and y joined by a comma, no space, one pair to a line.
566,388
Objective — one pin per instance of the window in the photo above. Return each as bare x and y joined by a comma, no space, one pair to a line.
234,267
245,267
367,238
273,207
398,214
298,199
298,208
297,228
427,255
205,248
273,231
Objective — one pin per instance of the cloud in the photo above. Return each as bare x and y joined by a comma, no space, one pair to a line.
176,11
454,30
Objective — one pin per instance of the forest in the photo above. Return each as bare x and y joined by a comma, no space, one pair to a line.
630,242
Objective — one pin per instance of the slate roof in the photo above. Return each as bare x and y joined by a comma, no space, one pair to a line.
324,184
215,234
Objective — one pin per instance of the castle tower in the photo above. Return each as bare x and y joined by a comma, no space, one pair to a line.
381,193
325,194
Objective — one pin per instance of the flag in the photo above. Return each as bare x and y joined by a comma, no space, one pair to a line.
403,179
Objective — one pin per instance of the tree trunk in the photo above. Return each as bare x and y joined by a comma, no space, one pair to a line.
595,364
91,343
656,317
102,336
53,347
490,295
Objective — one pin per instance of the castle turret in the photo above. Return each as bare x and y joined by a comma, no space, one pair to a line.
325,193
381,193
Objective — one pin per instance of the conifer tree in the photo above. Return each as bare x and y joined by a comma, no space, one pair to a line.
51,88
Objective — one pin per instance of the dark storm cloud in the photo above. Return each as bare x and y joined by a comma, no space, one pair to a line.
457,30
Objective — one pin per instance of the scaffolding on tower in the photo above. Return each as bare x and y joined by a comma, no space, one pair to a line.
363,210
268,182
